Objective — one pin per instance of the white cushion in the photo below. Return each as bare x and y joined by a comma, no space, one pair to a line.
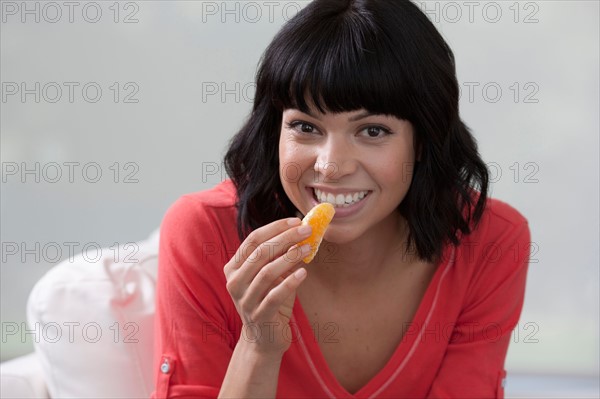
22,378
93,323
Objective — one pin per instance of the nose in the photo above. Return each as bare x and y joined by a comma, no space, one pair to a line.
336,158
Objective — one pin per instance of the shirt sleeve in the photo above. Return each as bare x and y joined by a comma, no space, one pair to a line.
473,365
193,343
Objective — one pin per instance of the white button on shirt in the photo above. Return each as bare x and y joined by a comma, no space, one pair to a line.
164,368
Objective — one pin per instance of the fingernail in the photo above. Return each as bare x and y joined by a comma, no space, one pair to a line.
293,222
300,273
305,249
305,230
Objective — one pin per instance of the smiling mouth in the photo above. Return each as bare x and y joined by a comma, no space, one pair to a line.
340,200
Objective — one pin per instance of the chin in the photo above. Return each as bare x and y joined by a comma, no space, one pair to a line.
340,235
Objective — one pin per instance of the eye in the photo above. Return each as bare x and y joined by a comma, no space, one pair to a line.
301,127
376,131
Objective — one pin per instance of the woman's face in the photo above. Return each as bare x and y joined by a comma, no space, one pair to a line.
361,162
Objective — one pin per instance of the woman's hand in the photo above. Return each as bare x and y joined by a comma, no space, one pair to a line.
262,283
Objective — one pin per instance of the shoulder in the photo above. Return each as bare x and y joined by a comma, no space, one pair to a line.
500,222
219,200
498,246
222,196
501,212
202,218
491,267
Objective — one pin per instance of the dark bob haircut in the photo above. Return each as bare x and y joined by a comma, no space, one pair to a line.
385,57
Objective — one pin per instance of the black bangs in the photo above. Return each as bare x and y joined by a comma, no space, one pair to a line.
333,56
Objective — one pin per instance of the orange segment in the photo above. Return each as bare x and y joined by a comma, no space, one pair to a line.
319,218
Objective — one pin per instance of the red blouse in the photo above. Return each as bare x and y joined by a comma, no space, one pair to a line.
454,347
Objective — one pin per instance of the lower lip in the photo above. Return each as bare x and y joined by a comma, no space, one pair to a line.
341,212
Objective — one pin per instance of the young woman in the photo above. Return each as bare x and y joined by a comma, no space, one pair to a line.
420,278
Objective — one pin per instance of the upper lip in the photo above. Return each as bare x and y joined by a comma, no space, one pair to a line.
333,190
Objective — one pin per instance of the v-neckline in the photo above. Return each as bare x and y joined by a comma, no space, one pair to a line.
317,363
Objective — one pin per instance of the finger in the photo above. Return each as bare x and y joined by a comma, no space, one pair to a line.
272,274
272,303
239,279
269,251
257,237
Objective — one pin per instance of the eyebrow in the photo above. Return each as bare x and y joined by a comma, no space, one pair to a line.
354,118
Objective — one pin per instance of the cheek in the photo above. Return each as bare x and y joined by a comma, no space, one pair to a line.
393,167
285,157
293,162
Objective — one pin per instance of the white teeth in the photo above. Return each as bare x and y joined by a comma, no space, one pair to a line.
340,200
322,196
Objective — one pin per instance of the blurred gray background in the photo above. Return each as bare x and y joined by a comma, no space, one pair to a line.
148,93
